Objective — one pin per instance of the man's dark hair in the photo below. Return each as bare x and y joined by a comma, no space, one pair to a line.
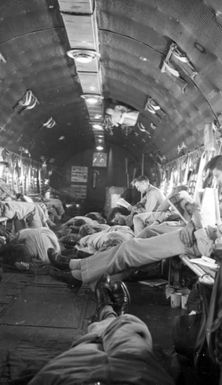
141,178
215,162
121,210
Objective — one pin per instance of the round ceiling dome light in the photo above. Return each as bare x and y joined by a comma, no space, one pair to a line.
152,106
92,98
99,148
97,126
83,56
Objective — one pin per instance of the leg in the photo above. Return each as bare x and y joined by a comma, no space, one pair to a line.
133,253
127,340
107,315
127,333
139,222
157,229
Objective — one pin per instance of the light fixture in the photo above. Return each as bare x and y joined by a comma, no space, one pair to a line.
170,70
152,106
49,123
83,56
182,60
97,126
99,148
142,58
2,58
61,137
180,55
27,102
153,126
141,127
98,116
92,98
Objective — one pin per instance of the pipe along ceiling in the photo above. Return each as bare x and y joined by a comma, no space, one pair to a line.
161,59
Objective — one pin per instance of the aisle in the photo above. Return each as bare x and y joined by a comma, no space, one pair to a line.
40,317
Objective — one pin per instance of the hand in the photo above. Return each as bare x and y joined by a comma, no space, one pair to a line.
187,234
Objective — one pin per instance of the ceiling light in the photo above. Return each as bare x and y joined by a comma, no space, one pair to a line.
143,58
50,123
99,148
27,102
180,56
92,98
97,126
153,126
61,137
2,58
152,106
169,69
141,127
83,56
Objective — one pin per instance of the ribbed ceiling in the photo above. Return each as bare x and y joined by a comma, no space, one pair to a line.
134,39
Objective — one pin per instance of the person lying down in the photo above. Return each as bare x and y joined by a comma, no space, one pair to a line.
190,239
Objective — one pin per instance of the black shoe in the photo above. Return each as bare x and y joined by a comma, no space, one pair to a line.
103,292
66,277
59,261
120,296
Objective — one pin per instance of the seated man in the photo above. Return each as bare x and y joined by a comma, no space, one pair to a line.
152,198
116,350
165,212
173,213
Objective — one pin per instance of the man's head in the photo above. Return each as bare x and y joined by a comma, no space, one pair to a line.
118,216
215,166
141,183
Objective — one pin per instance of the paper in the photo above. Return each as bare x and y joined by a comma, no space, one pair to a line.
205,261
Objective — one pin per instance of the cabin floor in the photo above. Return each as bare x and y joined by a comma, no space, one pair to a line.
40,317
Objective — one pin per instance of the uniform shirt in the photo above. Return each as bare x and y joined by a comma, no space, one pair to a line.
152,199
38,241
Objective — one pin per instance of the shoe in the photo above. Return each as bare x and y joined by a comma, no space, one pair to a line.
66,277
57,260
120,296
103,292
